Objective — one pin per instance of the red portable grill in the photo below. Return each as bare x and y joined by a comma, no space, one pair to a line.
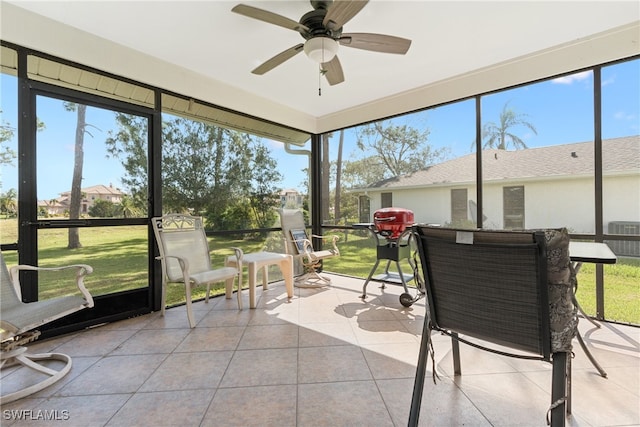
392,245
392,222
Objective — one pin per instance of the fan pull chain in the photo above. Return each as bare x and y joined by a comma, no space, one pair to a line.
320,81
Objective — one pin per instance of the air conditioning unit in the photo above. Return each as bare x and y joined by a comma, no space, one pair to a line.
624,247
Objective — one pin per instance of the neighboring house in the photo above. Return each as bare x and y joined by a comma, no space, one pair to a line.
60,206
290,198
531,188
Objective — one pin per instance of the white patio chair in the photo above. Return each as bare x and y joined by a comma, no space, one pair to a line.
185,258
19,321
297,244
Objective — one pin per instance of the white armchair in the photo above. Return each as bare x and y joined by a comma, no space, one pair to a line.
185,258
20,320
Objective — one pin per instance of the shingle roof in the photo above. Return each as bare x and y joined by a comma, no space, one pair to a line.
99,189
619,155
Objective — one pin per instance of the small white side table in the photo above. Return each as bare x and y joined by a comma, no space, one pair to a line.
261,261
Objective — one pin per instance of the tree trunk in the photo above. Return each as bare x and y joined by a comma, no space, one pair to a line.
338,177
76,184
326,171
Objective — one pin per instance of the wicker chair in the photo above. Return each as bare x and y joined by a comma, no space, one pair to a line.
513,289
20,320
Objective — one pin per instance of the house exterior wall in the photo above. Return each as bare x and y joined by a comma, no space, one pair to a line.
567,202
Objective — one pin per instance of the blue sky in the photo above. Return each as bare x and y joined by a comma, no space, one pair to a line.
560,109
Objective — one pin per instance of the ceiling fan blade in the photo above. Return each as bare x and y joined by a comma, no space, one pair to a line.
278,59
333,71
270,17
341,11
376,42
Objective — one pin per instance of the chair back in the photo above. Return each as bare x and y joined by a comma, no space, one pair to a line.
181,236
491,285
292,222
9,298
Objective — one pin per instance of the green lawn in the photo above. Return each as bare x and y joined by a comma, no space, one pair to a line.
119,258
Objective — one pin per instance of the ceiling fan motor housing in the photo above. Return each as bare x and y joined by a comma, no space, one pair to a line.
313,21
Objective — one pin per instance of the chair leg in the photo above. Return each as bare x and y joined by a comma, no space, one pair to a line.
163,301
559,395
421,369
312,279
455,349
187,290
239,296
19,356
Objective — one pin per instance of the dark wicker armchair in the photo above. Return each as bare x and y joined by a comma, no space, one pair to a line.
510,288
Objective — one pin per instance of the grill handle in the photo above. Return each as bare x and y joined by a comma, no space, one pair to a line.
388,219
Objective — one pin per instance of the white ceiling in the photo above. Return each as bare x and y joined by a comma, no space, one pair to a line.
202,49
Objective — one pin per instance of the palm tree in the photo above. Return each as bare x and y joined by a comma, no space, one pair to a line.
129,208
8,204
499,135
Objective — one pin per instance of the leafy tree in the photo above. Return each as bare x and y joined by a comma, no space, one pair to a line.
128,207
6,134
104,209
8,203
7,155
206,170
400,149
263,191
129,144
363,172
500,136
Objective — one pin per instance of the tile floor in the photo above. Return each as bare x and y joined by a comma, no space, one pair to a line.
325,358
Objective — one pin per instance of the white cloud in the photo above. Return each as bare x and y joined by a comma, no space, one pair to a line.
609,81
621,115
567,80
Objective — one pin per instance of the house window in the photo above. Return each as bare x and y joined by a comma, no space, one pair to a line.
386,200
513,206
458,205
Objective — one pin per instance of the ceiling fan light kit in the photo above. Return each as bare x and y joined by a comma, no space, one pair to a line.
322,30
321,49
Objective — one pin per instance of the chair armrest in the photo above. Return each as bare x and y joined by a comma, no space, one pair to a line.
334,240
239,254
81,271
184,266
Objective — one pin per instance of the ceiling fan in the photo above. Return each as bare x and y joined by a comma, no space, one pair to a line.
322,30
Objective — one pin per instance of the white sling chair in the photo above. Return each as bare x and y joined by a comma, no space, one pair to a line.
185,258
19,321
297,243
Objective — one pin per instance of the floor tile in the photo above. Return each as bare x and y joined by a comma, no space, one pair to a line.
262,367
341,404
336,363
269,336
94,342
326,334
211,339
152,341
260,406
176,408
189,371
114,374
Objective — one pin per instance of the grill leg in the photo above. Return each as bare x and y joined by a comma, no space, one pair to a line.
364,287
